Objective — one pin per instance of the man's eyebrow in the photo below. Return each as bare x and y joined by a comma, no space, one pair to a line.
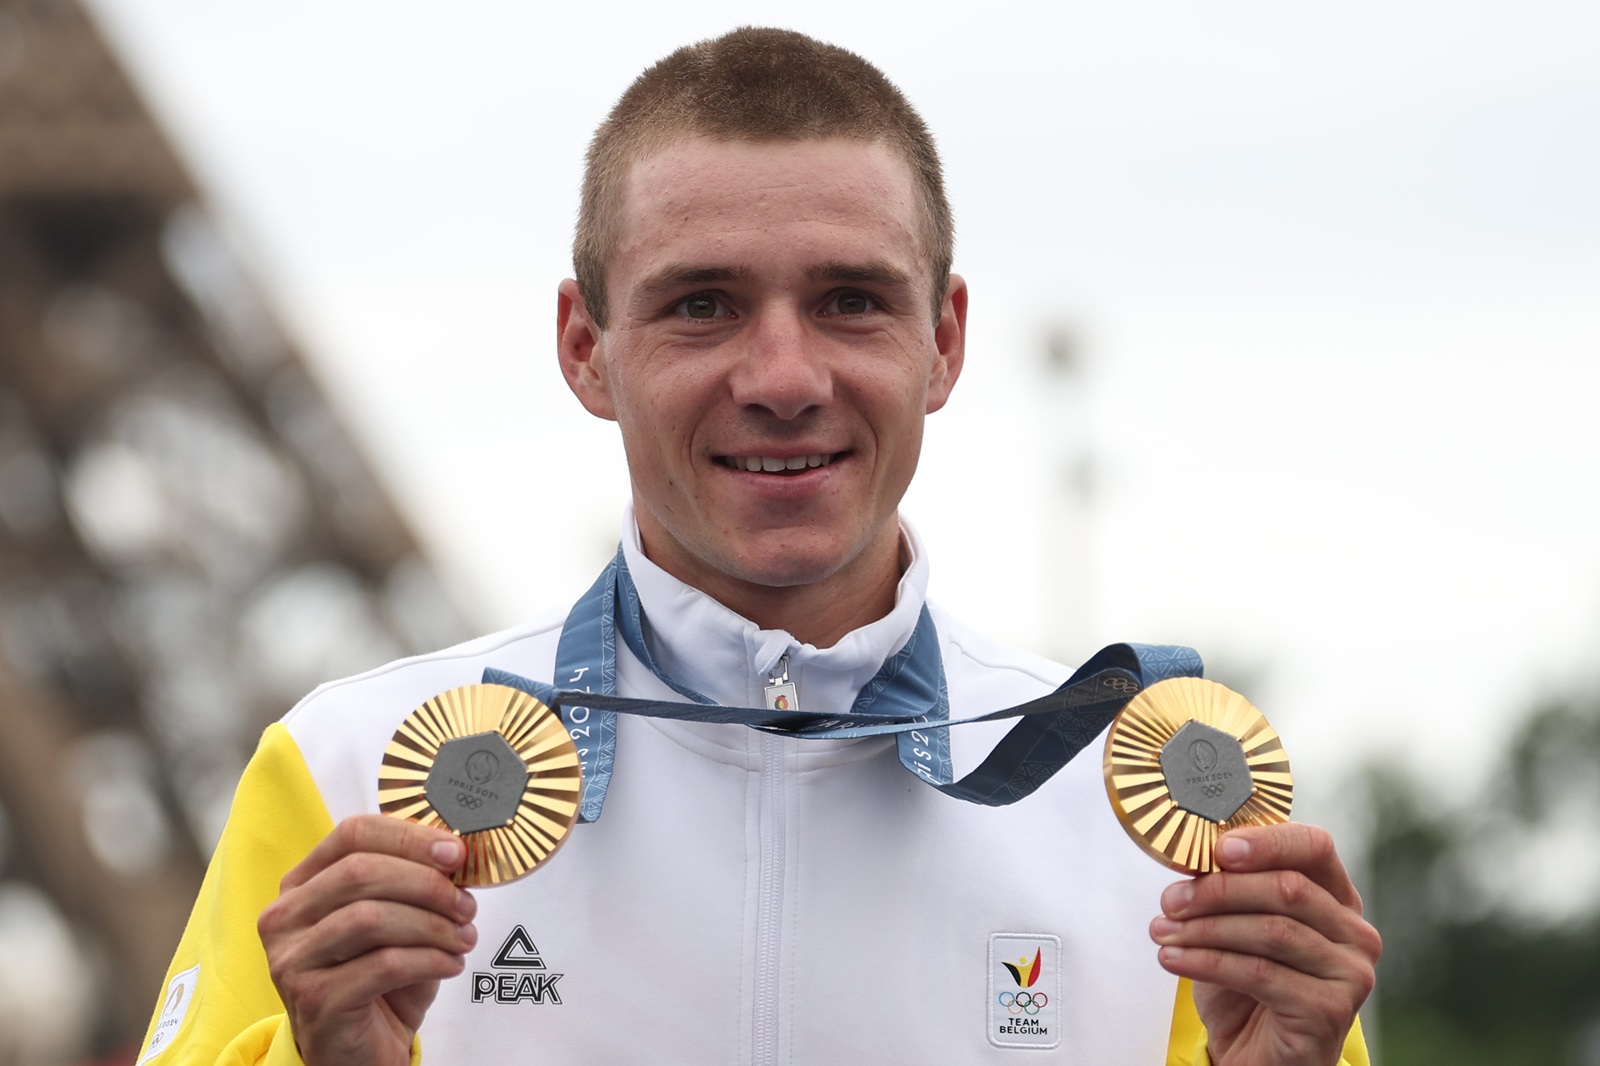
682,275
878,271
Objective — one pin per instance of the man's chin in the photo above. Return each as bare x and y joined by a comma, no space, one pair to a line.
791,558
789,572
779,563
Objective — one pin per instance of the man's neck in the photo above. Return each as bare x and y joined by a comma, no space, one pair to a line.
819,615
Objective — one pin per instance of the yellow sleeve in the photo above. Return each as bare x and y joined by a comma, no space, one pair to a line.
218,1006
1187,1044
269,1043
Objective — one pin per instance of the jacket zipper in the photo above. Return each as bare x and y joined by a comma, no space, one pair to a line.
769,906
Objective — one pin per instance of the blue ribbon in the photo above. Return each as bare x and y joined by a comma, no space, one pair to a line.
907,698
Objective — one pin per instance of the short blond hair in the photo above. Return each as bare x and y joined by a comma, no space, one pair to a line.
753,84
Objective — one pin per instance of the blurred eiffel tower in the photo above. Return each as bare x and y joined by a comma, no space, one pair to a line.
188,542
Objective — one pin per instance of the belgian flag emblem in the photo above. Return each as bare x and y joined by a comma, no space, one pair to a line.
1026,973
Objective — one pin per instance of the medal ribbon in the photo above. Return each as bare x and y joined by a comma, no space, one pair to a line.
907,699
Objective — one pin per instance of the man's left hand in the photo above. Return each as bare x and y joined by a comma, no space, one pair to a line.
1280,956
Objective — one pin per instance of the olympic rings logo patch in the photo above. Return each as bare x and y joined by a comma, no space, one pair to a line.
1029,1003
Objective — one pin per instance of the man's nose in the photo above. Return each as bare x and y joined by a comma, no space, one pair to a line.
784,367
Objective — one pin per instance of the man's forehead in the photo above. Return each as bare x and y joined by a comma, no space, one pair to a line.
720,192
689,168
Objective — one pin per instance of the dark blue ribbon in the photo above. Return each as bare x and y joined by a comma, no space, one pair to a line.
907,698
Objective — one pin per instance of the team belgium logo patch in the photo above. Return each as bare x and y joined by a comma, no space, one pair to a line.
1024,1007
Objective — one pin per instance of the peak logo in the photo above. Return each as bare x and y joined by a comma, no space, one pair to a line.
1025,973
1024,1011
519,975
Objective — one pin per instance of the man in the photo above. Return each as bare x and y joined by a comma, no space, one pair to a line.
763,304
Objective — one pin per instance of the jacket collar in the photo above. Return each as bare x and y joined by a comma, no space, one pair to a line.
714,650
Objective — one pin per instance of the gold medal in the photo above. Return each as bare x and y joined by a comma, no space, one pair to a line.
1186,761
492,765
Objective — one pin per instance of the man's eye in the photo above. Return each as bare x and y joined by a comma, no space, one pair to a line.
851,303
700,307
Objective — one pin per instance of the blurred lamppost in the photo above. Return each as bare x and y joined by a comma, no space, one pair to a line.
1071,493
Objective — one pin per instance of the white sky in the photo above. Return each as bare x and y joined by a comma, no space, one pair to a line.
1334,269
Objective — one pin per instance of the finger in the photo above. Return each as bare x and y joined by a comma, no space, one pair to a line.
351,987
1269,936
374,925
1289,846
1317,1006
369,876
366,876
1286,893
383,835
386,952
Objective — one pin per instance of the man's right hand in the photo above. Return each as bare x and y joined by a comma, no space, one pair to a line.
362,933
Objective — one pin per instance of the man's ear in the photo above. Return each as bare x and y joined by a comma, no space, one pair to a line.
950,340
582,352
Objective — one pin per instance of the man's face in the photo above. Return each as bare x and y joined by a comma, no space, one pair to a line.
770,359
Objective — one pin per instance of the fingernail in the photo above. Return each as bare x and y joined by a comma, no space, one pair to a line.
466,906
1170,954
1177,897
469,935
1232,849
1164,927
447,853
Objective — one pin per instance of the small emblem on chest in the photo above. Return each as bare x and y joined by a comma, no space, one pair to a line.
1024,1003
180,993
519,974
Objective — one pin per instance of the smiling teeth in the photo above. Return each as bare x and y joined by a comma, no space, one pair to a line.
772,465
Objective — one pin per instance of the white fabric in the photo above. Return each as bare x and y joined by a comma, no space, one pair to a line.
749,898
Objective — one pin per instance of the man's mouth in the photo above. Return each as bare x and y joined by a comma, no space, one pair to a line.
769,464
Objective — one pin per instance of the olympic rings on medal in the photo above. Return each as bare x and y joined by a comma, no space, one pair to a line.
471,803
1029,1003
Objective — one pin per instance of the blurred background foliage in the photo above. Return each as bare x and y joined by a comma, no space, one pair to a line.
1488,905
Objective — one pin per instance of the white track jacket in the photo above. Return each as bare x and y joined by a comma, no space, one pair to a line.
745,898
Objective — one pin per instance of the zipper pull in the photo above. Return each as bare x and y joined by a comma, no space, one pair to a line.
780,691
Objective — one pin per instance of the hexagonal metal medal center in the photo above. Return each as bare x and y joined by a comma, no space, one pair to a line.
1206,771
476,782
